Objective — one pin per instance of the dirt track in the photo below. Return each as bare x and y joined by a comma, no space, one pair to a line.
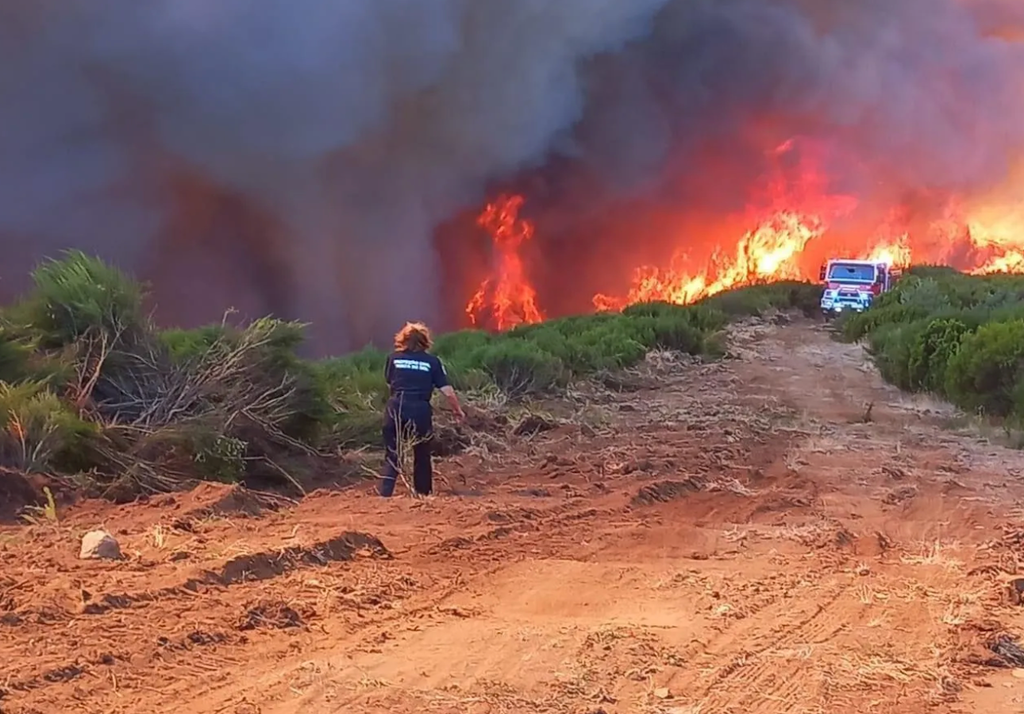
744,536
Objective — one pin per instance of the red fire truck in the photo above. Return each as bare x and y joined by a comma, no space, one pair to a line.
854,284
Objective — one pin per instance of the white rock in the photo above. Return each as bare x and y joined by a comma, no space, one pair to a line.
99,545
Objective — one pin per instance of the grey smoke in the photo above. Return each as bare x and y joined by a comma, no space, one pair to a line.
352,128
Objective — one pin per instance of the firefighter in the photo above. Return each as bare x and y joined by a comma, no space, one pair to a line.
412,374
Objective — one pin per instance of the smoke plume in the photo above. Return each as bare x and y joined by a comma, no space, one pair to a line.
299,158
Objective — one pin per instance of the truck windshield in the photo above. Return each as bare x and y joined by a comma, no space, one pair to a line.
851,273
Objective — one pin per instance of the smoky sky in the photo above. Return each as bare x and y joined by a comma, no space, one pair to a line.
297,157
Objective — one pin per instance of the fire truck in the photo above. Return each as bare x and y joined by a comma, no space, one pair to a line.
851,285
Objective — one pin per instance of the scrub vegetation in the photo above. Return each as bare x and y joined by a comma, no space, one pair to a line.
93,392
958,336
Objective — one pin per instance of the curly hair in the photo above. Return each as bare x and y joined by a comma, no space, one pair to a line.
414,337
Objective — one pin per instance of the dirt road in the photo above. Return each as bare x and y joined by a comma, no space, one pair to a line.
777,532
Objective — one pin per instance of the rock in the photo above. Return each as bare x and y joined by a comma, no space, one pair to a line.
99,545
1017,591
662,693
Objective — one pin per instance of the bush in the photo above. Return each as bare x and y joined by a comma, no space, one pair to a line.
931,353
890,349
185,346
217,457
89,383
987,372
354,388
756,300
956,335
583,347
462,342
520,368
678,335
77,297
39,432
14,358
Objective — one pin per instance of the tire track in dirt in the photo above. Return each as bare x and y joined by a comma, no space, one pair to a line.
743,682
558,531
248,569
723,537
95,618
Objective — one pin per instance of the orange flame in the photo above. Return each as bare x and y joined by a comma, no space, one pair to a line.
507,298
763,254
789,222
772,251
799,212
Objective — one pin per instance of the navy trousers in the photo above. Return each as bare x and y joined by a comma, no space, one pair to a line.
415,422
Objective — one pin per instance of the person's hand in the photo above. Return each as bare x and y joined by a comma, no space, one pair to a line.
460,415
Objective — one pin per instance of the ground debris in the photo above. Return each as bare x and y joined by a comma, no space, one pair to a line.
99,545
687,538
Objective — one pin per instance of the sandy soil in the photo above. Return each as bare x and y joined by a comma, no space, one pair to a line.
777,532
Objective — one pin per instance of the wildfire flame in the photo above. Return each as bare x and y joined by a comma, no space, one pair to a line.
774,248
507,298
763,254
772,251
790,220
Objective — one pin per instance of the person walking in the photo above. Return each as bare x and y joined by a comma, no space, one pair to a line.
412,374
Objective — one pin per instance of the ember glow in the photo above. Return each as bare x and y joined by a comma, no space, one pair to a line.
506,298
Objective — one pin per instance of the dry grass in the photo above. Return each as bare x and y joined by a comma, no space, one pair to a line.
158,537
936,553
823,614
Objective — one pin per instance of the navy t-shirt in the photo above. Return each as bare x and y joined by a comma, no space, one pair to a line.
413,376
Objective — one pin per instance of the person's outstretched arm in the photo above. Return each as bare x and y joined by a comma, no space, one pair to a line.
441,383
453,401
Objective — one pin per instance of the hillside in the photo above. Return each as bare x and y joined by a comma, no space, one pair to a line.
719,508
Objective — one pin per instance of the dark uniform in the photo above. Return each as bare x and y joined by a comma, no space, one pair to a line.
412,378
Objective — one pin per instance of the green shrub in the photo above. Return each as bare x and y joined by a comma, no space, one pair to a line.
14,358
185,346
658,309
262,355
754,300
355,381
677,334
936,272
217,457
454,344
891,347
953,334
354,388
573,326
612,346
277,363
213,402
77,297
931,353
586,346
987,372
356,429
38,432
519,367
673,327
469,379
